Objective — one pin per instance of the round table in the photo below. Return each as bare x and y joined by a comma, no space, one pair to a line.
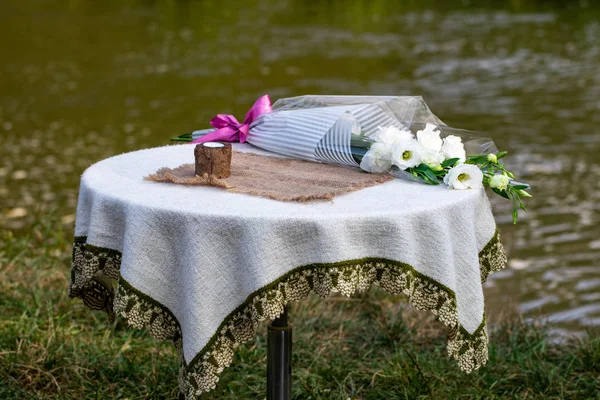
201,266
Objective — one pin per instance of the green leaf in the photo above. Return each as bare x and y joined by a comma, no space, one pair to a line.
432,177
476,159
186,137
450,162
514,183
358,153
502,193
519,186
360,142
501,154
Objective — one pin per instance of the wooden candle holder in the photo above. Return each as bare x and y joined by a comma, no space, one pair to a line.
214,159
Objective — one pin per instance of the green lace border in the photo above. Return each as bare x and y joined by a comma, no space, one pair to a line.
94,270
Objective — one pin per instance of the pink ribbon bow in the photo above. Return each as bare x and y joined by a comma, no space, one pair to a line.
229,129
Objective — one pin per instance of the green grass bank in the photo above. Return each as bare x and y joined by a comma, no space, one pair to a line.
371,346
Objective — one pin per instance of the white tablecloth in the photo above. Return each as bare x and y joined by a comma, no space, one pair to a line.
200,266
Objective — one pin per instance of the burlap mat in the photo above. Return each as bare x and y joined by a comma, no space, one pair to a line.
281,179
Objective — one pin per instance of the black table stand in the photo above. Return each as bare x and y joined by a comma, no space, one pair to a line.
279,358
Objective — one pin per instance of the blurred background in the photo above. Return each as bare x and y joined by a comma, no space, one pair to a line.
83,80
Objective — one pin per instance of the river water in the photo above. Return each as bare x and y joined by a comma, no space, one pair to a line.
83,80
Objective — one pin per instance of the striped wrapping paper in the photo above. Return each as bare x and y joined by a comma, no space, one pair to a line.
322,128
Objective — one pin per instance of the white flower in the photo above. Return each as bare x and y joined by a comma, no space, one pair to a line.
407,154
392,135
432,158
430,138
453,147
499,182
377,159
492,158
464,176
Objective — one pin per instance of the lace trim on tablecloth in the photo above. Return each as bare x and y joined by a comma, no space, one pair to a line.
492,258
93,271
93,265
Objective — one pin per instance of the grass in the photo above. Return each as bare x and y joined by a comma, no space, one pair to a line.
367,347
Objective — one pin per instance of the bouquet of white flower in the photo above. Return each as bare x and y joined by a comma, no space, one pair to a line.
375,133
430,158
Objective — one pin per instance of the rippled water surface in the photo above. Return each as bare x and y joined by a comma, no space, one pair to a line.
83,80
